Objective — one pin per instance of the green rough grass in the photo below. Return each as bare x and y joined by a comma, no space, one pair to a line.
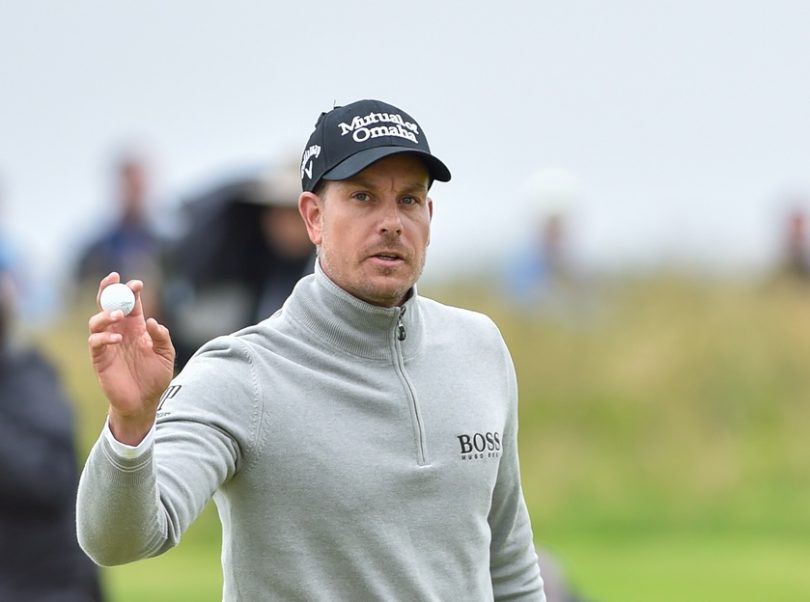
672,567
663,445
191,572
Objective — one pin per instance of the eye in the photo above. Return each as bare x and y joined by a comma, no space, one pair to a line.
409,200
361,196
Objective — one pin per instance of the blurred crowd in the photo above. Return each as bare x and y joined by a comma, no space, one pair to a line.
238,248
237,252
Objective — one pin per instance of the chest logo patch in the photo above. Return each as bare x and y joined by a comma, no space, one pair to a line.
480,446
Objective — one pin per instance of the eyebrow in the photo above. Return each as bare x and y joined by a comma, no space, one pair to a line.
412,187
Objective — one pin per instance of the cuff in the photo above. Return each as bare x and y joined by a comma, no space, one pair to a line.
128,451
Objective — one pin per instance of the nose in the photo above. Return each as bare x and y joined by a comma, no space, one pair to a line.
390,221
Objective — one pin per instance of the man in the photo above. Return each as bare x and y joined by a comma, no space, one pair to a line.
129,244
360,444
40,560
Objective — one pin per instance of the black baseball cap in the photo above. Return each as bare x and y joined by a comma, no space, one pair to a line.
349,138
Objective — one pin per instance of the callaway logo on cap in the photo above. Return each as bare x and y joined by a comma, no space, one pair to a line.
348,139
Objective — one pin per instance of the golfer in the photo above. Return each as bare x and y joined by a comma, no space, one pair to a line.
360,443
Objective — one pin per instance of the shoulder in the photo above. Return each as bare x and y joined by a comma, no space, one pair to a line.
29,376
237,351
25,363
222,368
221,352
461,328
457,317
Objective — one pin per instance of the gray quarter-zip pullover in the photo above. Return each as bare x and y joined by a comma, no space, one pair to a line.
354,453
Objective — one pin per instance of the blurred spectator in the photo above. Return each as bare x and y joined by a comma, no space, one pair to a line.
14,270
544,269
40,559
130,244
10,261
244,248
796,255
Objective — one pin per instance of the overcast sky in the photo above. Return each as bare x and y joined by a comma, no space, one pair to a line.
683,125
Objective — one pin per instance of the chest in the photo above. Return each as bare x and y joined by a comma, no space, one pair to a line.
360,434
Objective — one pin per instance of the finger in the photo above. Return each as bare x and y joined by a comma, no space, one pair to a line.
99,340
161,338
136,286
103,320
105,282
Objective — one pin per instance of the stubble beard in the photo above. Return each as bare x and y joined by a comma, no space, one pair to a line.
364,287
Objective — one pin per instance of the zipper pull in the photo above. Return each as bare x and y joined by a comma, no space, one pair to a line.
401,327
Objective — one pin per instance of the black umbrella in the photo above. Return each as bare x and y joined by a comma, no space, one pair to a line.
224,272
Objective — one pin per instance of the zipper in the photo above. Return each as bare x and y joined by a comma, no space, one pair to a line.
416,412
401,334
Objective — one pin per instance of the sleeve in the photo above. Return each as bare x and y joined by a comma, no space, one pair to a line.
137,506
128,451
513,561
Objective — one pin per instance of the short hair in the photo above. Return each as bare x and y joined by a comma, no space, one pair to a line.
319,188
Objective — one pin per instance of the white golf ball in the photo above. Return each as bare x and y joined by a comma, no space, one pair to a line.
117,296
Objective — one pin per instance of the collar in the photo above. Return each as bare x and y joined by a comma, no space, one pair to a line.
341,320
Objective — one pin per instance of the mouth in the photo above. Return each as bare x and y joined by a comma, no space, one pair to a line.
388,257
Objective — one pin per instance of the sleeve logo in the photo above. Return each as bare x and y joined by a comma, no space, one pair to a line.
168,394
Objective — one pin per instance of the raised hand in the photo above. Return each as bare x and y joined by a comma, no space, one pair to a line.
133,358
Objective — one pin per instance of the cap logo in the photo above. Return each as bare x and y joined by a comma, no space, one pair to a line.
360,130
347,139
306,163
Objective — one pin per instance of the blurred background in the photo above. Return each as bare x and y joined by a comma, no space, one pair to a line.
630,188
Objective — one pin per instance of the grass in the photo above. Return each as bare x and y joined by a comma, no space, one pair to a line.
671,567
662,439
191,572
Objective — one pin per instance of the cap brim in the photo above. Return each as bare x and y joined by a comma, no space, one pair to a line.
359,161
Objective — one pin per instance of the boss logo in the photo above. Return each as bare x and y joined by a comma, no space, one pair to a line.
480,445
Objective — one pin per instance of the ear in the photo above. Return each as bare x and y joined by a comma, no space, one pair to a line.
311,210
430,214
